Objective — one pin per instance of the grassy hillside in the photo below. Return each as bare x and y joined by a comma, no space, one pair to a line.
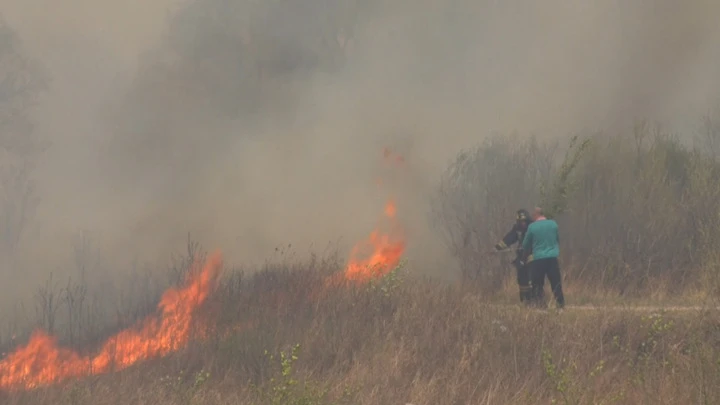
639,227
285,334
275,340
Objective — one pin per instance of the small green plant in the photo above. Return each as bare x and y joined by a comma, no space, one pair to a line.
183,388
389,282
562,378
657,326
285,388
597,370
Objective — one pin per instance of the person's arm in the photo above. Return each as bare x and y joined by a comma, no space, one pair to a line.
508,240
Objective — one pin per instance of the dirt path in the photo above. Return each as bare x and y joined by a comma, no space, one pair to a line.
632,308
638,308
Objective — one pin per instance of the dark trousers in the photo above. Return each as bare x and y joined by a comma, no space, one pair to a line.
550,268
523,280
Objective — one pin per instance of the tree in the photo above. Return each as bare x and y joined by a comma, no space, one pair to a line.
21,84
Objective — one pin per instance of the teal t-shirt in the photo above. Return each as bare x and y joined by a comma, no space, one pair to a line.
542,239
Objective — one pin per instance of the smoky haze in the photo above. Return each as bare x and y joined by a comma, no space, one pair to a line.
233,121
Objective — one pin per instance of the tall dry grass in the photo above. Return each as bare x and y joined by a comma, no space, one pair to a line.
405,339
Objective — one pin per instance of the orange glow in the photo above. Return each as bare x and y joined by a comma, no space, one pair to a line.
392,157
380,253
42,362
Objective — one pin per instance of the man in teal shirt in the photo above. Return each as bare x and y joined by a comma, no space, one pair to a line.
542,240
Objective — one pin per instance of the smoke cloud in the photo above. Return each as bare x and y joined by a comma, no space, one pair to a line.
251,126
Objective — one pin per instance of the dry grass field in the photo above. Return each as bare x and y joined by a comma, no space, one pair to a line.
284,335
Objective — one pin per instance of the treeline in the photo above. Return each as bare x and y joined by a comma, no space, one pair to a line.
642,208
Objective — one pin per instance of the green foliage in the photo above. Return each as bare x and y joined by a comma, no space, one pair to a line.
657,326
389,282
184,387
286,388
561,376
569,384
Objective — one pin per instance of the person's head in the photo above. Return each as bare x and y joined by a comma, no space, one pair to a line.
537,213
523,218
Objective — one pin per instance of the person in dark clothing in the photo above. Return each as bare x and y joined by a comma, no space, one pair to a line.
543,240
516,235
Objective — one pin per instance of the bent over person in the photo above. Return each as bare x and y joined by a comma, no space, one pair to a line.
516,235
543,240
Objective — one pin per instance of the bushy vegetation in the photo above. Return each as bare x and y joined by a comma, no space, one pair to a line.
639,212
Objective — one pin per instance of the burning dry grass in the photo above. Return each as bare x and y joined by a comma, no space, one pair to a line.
359,333
41,361
403,340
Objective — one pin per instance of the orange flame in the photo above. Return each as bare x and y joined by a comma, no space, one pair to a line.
379,254
391,156
42,362
370,259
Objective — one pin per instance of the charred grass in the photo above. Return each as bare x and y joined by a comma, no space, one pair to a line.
280,339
